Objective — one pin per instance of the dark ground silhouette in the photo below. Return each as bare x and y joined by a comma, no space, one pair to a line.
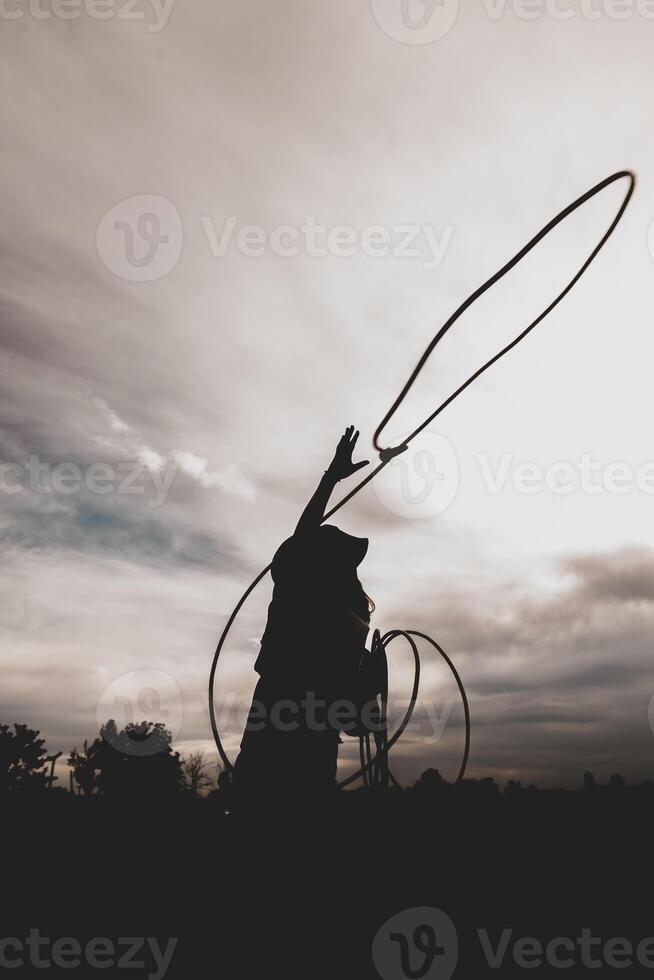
294,889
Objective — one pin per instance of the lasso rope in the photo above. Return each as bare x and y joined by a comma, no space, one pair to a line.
386,455
373,764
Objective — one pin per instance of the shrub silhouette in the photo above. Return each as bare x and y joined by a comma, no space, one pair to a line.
84,773
22,760
135,761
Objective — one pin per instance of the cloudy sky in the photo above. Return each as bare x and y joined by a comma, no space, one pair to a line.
228,231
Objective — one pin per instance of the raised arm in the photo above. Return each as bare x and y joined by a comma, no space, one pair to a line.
340,467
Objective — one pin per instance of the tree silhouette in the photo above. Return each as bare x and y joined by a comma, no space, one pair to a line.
22,760
134,762
589,781
194,767
84,773
431,785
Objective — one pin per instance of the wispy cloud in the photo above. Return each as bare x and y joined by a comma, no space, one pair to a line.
125,439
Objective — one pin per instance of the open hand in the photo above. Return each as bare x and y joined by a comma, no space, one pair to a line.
342,466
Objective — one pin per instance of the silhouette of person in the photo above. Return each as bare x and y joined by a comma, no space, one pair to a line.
311,650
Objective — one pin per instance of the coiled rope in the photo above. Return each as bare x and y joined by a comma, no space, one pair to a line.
368,763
